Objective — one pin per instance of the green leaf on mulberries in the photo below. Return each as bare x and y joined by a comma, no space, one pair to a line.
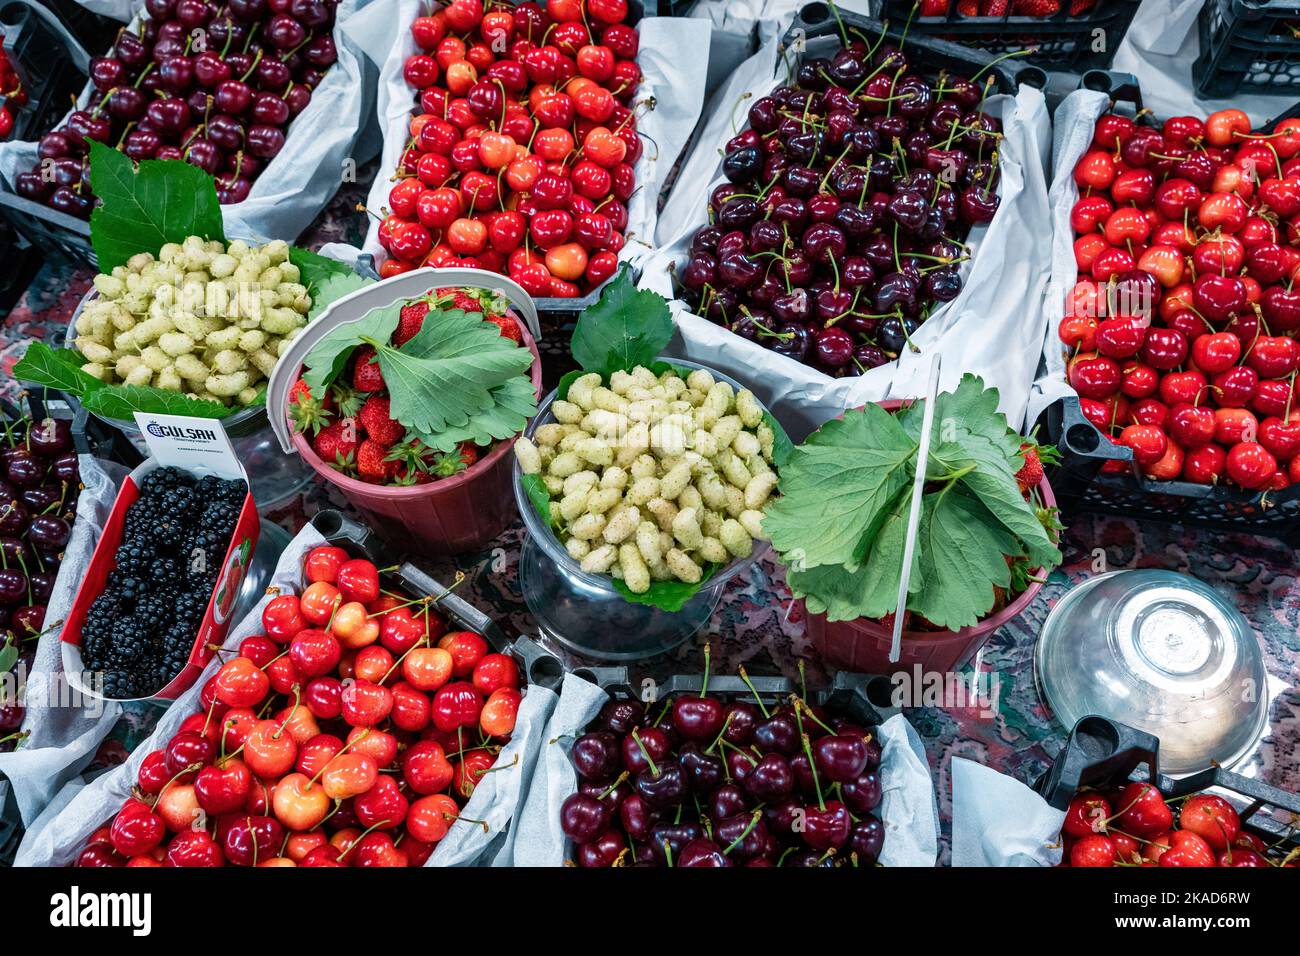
56,368
145,206
627,327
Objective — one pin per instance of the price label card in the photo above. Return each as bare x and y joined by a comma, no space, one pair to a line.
198,445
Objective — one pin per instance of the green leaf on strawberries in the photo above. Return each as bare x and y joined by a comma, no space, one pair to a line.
962,548
123,401
514,403
327,280
146,206
327,358
836,487
627,327
55,368
667,595
535,488
991,477
444,377
871,590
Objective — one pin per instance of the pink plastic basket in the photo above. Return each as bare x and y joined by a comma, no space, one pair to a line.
448,516
863,645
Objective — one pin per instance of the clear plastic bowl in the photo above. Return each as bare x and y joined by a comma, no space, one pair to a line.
1161,652
273,477
583,612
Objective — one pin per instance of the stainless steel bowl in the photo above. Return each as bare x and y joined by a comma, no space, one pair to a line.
1161,652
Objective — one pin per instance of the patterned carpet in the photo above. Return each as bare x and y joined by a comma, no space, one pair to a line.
754,625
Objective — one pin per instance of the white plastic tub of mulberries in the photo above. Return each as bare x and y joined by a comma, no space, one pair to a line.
321,150
992,327
673,56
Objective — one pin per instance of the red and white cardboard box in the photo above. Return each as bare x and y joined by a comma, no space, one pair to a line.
201,447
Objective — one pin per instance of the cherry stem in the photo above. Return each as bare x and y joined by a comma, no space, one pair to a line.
759,700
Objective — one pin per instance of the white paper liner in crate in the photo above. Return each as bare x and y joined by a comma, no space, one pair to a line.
57,839
907,809
318,150
738,27
673,57
64,730
1159,48
1072,132
998,821
993,328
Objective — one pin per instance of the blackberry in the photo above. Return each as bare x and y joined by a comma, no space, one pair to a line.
140,630
161,480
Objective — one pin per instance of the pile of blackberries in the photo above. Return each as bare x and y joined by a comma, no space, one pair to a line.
139,632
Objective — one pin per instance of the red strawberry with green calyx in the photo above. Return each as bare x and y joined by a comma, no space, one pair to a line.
336,444
307,411
378,423
366,375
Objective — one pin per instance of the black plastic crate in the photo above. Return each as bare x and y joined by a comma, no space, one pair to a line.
1078,481
1062,41
1250,46
50,62
539,667
818,21
1103,753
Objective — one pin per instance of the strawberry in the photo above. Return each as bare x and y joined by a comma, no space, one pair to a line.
346,400
366,376
994,8
307,411
508,326
378,423
887,622
934,8
1036,456
336,444
373,464
463,299
1079,7
412,461
1031,472
409,321
1036,8
451,463
968,8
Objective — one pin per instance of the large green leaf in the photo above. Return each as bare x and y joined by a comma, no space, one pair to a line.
123,401
144,208
444,376
666,595
327,280
535,488
836,487
326,360
961,547
514,402
55,368
627,327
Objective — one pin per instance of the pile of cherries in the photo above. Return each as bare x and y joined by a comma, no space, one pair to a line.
713,783
849,197
522,146
213,83
351,733
39,485
1135,825
1182,325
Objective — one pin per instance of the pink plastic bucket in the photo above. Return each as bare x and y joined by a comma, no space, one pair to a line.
863,646
448,516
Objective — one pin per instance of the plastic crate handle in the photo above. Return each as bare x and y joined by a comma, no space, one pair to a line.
354,307
76,52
